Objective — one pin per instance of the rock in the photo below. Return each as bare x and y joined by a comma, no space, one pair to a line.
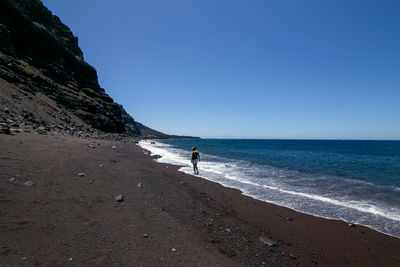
6,110
113,147
101,165
5,130
91,182
119,198
41,130
139,185
91,146
228,230
351,225
153,143
12,179
24,258
268,242
29,183
289,218
81,174
70,259
173,249
145,236
292,256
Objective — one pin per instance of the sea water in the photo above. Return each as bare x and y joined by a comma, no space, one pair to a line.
354,181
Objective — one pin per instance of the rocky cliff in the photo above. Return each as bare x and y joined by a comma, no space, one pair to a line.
40,60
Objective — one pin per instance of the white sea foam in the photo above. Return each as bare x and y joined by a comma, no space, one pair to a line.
275,186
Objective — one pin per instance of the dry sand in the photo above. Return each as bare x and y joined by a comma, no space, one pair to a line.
171,219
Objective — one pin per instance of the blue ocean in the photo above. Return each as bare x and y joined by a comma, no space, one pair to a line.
354,181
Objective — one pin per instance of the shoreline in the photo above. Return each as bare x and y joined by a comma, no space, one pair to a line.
157,157
166,218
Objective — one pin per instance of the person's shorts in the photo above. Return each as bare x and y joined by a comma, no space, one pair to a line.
195,161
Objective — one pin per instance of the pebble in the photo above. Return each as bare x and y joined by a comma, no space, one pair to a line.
113,147
24,258
91,146
289,218
119,198
29,183
81,174
12,179
101,165
267,241
139,185
351,225
228,230
70,259
91,182
173,249
145,235
292,256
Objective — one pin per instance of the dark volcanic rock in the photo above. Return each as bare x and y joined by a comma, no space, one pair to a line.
39,52
5,130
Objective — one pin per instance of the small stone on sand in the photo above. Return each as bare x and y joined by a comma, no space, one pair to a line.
173,249
119,198
29,183
267,241
81,174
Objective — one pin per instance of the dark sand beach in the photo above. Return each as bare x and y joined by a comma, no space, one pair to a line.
167,218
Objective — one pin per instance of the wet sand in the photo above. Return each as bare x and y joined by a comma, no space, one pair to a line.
167,218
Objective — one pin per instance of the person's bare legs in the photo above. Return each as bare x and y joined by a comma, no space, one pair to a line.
196,171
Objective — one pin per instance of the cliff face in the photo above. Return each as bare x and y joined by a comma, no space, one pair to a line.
40,56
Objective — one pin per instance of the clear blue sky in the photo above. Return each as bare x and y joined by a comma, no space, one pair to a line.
247,69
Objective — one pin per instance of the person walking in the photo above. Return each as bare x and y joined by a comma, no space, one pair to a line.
195,159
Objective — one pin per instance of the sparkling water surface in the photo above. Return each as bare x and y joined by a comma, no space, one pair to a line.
354,181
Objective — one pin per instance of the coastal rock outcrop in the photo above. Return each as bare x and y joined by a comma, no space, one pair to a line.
40,56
